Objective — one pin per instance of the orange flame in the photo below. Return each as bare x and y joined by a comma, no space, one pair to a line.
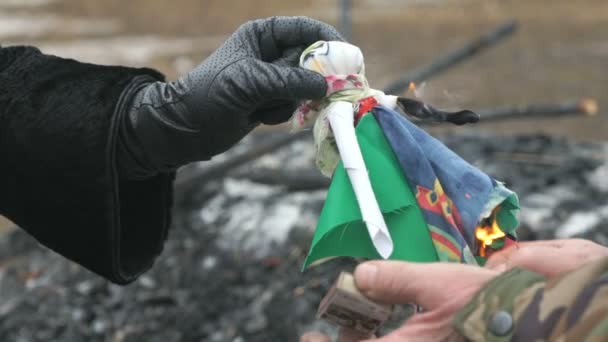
411,88
487,235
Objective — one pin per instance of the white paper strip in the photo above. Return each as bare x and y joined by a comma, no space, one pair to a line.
340,115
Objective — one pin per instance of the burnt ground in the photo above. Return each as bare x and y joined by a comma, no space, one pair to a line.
230,270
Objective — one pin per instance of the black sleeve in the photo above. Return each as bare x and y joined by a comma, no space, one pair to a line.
58,176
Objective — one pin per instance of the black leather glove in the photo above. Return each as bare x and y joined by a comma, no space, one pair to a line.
252,78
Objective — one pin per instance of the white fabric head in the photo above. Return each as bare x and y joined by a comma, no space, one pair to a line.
333,58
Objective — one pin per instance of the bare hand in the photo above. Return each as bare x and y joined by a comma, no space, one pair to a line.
549,258
345,335
441,289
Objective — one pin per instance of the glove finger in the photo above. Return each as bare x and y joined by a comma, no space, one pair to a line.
275,112
271,81
268,38
290,58
301,31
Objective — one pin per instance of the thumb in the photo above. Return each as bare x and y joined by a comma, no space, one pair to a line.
398,282
548,261
275,81
314,337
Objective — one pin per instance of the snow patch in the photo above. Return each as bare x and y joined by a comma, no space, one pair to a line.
578,223
251,190
599,177
535,218
35,26
254,218
213,209
552,197
279,221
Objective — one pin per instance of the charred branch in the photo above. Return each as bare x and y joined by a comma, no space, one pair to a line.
585,106
453,57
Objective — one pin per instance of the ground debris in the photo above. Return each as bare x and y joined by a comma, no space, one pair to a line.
230,270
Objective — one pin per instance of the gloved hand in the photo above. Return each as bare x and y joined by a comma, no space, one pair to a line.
252,78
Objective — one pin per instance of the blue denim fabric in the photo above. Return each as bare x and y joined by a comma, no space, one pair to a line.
425,159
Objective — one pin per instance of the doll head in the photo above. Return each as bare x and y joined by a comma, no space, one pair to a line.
333,58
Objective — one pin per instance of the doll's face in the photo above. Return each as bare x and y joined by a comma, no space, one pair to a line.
333,58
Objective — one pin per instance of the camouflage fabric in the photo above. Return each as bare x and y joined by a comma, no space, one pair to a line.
571,307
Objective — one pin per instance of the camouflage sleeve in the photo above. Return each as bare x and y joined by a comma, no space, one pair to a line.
522,306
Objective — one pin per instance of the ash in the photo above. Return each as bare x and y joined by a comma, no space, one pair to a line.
231,268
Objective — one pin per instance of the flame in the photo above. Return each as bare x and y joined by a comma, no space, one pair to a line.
411,88
415,90
487,235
